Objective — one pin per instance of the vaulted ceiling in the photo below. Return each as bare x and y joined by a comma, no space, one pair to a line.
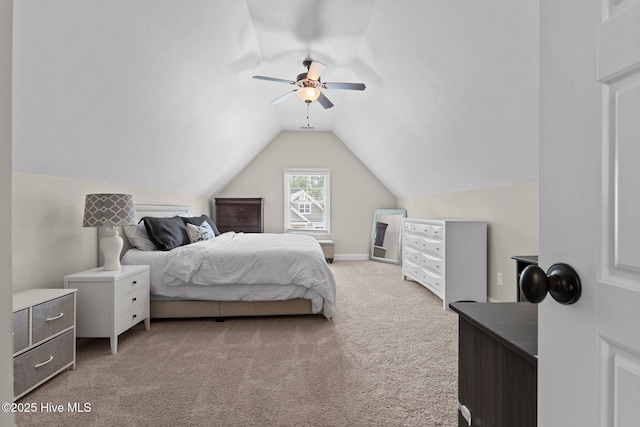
159,93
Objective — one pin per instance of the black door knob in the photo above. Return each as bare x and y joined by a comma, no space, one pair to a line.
560,280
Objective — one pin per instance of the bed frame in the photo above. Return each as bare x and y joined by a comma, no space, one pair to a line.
179,308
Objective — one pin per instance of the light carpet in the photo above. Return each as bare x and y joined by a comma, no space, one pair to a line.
387,358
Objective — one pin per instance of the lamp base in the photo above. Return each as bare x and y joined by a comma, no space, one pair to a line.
111,246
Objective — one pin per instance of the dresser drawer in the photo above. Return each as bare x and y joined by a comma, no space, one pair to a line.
424,229
51,317
435,247
412,255
20,330
432,263
437,231
132,299
412,240
36,365
411,270
239,210
132,283
239,221
242,214
130,318
434,281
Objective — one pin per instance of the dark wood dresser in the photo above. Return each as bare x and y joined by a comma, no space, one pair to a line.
497,364
239,214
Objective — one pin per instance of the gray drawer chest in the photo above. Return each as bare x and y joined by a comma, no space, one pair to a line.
44,337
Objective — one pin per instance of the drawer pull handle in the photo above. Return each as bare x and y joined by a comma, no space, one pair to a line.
49,319
134,299
134,282
134,316
465,412
240,219
43,363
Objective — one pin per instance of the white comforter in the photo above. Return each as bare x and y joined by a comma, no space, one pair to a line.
254,259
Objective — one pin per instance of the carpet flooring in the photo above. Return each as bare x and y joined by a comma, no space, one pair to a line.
387,358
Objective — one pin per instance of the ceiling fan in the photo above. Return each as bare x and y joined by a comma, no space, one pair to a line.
309,85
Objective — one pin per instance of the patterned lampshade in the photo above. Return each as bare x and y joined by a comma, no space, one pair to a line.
102,210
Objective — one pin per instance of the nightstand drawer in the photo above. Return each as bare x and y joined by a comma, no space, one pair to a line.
132,283
131,300
130,318
36,365
51,317
20,330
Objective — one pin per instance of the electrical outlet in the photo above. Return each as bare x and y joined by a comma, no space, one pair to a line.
500,279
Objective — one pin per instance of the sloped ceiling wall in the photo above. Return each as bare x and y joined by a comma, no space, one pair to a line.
159,94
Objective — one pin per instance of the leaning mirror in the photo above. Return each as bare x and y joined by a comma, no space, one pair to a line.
386,234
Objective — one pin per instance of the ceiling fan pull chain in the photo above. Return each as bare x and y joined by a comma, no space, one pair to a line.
308,125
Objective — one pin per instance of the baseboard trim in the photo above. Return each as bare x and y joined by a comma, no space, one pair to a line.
351,257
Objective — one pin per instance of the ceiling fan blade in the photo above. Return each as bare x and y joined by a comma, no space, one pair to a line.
324,101
349,86
273,79
315,69
279,99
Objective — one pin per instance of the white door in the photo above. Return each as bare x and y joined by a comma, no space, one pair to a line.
589,352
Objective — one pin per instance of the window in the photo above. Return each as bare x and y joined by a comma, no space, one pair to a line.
304,208
306,196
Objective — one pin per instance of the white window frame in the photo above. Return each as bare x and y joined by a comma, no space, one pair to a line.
289,172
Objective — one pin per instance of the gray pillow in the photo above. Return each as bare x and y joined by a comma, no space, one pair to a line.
166,233
138,237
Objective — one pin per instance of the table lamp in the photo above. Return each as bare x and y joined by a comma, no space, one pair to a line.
109,211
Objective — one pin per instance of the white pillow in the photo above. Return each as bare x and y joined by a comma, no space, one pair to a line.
198,233
138,237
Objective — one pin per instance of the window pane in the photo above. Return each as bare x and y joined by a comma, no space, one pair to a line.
307,196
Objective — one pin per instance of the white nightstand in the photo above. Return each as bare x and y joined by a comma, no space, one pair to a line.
110,302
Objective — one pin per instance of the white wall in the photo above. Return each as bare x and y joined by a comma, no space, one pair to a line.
452,95
49,241
140,92
6,342
355,192
511,212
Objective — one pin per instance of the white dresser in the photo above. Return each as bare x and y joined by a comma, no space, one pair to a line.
110,302
448,257
44,342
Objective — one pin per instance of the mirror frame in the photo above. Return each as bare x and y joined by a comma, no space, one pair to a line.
377,213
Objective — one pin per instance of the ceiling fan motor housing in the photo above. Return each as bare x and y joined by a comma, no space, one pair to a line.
301,77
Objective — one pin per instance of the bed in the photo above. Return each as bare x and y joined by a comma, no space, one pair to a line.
232,274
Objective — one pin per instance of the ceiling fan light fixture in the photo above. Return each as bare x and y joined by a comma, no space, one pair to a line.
308,93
